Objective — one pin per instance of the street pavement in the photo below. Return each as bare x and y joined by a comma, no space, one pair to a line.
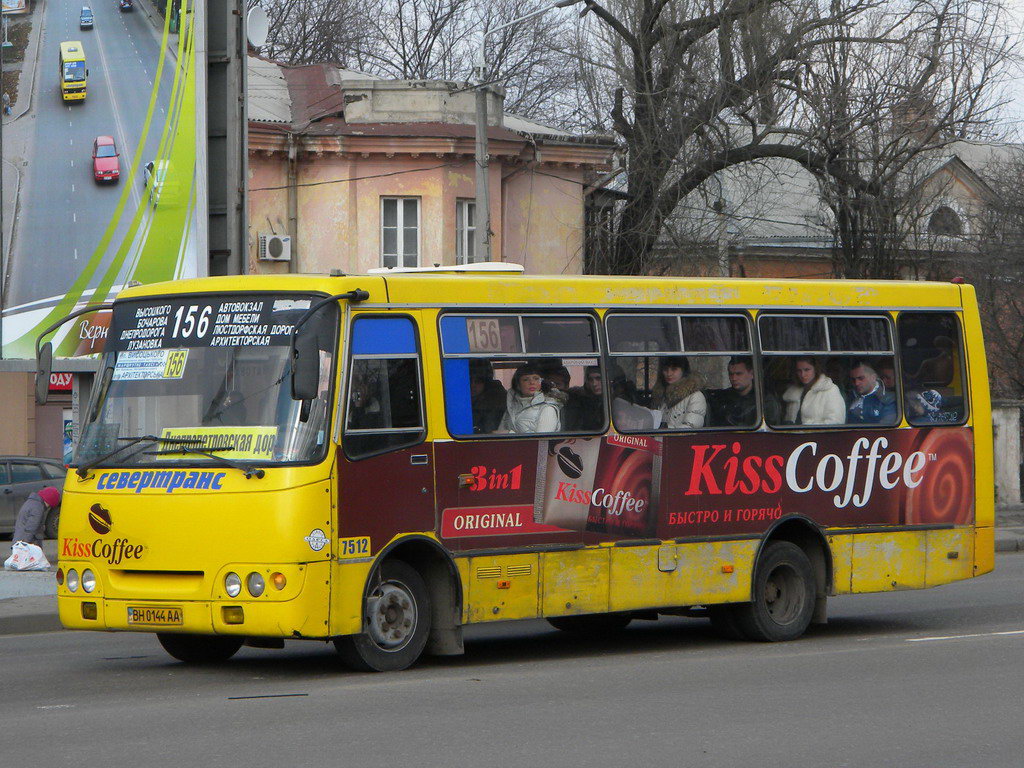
54,213
917,679
28,602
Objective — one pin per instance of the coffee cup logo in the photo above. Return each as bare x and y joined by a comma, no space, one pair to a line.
99,519
569,462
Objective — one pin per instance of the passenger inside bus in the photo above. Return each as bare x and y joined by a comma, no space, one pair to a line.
364,410
488,397
812,398
532,404
584,410
677,394
736,405
871,402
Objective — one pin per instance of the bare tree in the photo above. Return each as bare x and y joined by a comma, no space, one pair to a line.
437,39
705,85
313,31
997,272
885,106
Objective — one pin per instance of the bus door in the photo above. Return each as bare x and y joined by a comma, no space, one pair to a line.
386,470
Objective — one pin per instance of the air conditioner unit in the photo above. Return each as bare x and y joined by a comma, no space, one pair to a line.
274,247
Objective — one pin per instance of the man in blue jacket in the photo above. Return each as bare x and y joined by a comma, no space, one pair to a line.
871,404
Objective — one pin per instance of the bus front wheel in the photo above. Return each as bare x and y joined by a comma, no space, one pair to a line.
783,595
397,620
199,649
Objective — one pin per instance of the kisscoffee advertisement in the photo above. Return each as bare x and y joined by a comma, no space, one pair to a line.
624,486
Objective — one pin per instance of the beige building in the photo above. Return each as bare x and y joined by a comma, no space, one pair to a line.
357,173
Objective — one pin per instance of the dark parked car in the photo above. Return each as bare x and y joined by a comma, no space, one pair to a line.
21,476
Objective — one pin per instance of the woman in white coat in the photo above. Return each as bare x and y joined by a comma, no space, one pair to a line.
529,409
814,398
677,395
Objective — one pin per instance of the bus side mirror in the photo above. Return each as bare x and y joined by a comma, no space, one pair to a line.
44,366
305,365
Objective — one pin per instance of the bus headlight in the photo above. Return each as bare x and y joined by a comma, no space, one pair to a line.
88,580
73,580
232,584
255,584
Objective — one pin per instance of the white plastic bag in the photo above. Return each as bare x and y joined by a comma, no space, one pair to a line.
26,557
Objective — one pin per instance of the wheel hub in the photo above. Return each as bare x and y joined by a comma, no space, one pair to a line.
391,615
782,595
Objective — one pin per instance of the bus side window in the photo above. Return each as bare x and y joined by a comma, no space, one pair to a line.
681,372
383,409
517,374
932,362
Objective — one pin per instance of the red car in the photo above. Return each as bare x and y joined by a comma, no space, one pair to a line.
105,163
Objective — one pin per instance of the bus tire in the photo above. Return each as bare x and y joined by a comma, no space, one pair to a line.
52,521
783,595
397,616
199,649
591,624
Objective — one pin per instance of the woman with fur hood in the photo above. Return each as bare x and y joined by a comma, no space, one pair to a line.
532,404
677,395
813,398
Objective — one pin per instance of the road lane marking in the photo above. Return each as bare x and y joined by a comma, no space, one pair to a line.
965,637
74,218
122,134
72,187
76,254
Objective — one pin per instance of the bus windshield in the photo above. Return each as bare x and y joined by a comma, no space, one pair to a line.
74,71
210,370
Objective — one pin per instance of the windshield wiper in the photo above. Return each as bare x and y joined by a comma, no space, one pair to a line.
183,449
83,470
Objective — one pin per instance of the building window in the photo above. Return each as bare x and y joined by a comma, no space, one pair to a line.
465,231
400,231
944,221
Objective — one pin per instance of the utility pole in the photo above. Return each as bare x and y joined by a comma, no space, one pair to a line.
480,77
227,134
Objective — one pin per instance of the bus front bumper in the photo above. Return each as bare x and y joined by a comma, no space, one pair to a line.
303,615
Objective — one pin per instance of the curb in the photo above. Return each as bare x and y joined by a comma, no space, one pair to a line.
29,615
30,624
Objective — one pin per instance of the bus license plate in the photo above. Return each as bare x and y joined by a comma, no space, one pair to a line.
166,616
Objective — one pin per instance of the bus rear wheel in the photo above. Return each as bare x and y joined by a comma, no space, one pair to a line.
397,621
783,595
199,649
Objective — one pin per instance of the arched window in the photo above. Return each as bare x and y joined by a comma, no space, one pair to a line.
945,221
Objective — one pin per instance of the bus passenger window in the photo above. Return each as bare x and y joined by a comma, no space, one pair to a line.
828,370
521,374
384,409
932,368
681,372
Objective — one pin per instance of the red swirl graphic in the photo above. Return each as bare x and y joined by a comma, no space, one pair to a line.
946,491
625,474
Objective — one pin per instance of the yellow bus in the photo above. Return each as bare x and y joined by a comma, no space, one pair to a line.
72,72
380,460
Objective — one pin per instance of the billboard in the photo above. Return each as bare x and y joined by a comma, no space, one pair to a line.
104,162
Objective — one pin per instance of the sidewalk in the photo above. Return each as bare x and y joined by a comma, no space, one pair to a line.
17,129
28,602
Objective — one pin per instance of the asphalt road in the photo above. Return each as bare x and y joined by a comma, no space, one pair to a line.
928,678
63,211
